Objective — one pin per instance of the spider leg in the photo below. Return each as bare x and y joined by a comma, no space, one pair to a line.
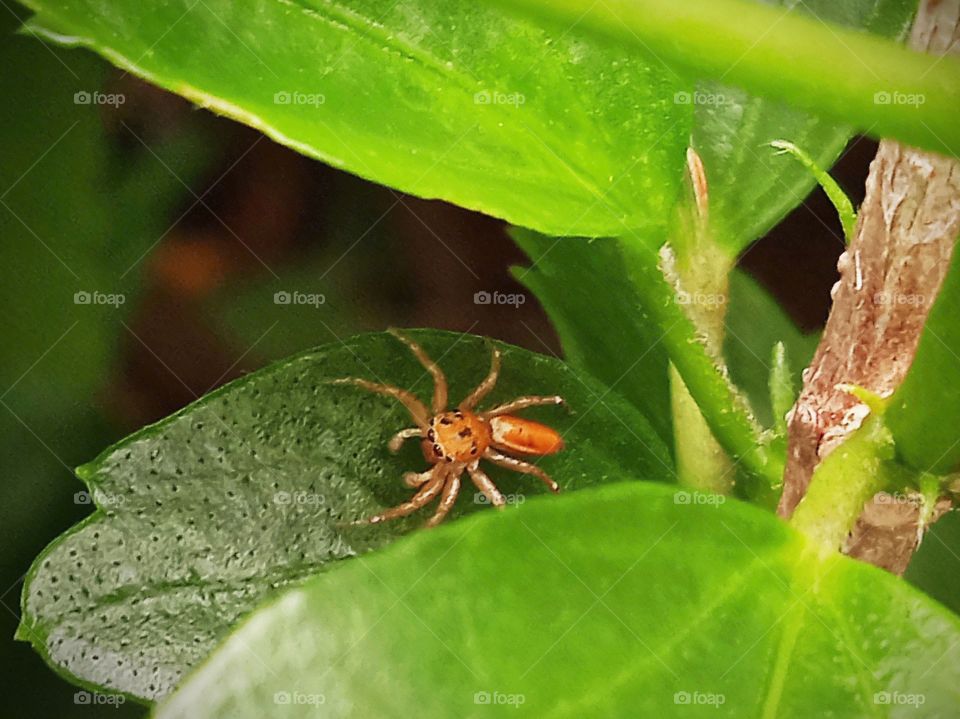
486,485
416,479
439,380
521,403
413,405
484,387
396,441
450,492
518,465
429,491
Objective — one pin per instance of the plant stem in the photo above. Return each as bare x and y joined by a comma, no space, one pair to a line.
703,276
843,483
836,195
855,77
723,409
701,462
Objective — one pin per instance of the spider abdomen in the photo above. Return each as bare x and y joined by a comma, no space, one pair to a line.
524,435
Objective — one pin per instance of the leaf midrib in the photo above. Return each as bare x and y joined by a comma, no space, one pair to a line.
367,30
736,586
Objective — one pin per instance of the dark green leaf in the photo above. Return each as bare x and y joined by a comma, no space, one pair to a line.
437,98
633,600
205,513
584,286
852,77
924,412
935,568
751,186
755,323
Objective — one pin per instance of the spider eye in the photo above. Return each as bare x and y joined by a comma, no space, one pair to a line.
438,450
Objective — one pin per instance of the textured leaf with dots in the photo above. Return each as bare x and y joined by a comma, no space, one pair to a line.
629,600
204,514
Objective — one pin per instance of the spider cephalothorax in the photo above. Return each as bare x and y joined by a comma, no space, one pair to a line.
455,441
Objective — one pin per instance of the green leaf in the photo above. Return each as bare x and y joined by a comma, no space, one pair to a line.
874,85
247,490
755,323
446,99
585,289
751,187
632,600
934,567
924,412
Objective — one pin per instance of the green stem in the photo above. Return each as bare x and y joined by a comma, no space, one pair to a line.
782,391
874,84
836,195
844,482
725,411
701,462
702,271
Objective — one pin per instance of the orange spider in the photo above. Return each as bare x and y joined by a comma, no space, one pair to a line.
454,441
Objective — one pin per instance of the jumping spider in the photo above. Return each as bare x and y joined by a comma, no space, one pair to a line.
456,440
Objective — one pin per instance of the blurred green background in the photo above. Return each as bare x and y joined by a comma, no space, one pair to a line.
143,246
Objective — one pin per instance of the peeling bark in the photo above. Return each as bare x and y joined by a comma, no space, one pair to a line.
889,278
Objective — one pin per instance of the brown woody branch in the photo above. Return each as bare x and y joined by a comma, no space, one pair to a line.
889,277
